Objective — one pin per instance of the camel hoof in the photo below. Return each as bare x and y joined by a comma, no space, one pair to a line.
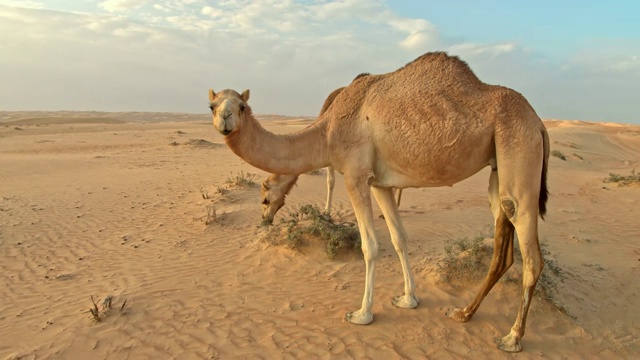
359,317
458,315
405,302
509,343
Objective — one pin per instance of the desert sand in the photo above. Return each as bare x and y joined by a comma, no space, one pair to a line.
98,204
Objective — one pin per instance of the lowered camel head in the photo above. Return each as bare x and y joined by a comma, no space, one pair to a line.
227,108
273,192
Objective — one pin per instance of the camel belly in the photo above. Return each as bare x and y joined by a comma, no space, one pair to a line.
430,165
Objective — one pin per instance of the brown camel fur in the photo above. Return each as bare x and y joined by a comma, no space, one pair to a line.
275,188
429,123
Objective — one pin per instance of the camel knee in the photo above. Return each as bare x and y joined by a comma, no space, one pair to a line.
400,246
370,251
509,207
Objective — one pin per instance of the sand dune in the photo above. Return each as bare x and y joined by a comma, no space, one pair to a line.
97,207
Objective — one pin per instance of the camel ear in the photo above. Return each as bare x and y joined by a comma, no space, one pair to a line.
265,186
212,95
245,95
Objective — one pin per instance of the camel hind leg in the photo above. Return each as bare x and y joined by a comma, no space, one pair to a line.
521,173
502,253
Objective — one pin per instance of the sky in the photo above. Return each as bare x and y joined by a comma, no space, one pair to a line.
570,59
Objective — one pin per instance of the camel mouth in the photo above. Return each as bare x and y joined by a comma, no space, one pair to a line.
225,132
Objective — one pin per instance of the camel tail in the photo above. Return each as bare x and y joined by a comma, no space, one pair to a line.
544,192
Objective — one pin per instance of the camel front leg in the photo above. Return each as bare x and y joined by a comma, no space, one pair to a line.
331,180
384,197
360,196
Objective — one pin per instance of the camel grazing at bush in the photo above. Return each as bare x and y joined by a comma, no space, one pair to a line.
275,188
430,123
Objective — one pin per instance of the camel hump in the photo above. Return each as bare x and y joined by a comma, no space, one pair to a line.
442,68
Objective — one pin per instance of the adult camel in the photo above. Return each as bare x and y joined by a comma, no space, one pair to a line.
429,123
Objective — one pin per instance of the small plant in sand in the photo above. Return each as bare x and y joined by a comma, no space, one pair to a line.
241,180
221,190
465,260
315,172
212,215
100,314
559,155
309,221
205,193
623,180
548,282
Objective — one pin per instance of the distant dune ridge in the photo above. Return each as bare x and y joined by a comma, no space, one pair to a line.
98,204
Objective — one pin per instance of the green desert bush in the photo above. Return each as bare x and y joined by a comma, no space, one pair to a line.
559,155
310,222
623,180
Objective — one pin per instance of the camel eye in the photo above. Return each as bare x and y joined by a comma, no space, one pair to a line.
242,107
265,202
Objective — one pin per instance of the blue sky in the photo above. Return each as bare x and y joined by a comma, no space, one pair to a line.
571,59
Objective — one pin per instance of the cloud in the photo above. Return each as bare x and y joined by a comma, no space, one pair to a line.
491,50
121,5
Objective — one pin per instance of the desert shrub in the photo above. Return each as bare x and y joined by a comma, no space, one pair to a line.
241,179
559,155
464,260
623,180
309,221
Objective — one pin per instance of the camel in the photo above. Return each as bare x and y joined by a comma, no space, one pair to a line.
275,188
430,123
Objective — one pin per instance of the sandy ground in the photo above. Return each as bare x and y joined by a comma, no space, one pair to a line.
95,204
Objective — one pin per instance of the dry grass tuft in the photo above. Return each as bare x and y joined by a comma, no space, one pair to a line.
212,215
98,315
241,180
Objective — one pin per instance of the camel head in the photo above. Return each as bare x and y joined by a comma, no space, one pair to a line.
272,199
272,194
227,107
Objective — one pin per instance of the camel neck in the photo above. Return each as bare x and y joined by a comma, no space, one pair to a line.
289,154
